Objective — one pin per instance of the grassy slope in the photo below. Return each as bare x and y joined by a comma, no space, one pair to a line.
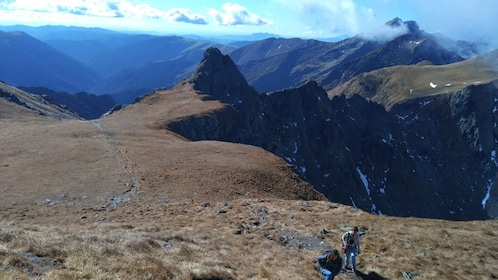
396,84
134,201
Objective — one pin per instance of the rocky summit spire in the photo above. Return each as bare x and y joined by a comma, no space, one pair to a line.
411,25
218,76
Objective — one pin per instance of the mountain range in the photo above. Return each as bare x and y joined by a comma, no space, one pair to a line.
387,126
27,61
127,66
213,179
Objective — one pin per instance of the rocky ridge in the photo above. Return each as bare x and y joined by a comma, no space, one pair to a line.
20,102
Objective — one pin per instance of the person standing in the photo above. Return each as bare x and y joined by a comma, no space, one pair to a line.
330,264
351,247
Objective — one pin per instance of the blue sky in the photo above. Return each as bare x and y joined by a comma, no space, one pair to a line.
459,19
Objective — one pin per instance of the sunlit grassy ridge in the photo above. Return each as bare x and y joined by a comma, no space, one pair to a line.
392,85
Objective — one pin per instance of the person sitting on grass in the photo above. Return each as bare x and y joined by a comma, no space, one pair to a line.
330,264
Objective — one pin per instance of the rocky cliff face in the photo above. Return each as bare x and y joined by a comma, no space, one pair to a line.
430,157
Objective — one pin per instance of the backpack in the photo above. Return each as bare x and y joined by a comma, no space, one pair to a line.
350,239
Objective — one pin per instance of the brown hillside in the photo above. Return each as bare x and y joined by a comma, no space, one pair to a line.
122,198
391,85
130,151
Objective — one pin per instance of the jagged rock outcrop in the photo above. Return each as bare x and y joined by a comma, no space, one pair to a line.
428,157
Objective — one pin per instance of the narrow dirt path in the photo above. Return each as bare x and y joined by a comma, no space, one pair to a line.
127,165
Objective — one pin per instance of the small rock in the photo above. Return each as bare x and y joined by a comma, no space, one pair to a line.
166,245
409,275
48,202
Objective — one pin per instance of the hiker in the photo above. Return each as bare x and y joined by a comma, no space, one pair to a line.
330,264
351,247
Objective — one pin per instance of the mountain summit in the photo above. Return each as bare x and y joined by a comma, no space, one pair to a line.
411,26
218,76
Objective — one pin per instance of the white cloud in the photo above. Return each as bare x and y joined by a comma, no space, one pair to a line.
327,17
184,15
463,20
76,7
101,9
341,18
236,15
384,32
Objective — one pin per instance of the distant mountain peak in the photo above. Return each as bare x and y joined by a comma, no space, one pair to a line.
395,22
410,25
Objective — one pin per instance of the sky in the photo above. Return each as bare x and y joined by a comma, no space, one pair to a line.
458,19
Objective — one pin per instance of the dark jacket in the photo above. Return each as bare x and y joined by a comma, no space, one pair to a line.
350,240
333,266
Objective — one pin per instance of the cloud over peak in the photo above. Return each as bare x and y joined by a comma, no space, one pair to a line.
236,15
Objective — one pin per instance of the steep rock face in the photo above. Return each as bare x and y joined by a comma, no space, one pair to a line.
219,77
429,157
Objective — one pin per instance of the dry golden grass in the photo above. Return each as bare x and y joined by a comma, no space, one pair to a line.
254,239
121,198
391,85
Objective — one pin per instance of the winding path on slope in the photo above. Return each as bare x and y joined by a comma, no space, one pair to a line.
127,165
